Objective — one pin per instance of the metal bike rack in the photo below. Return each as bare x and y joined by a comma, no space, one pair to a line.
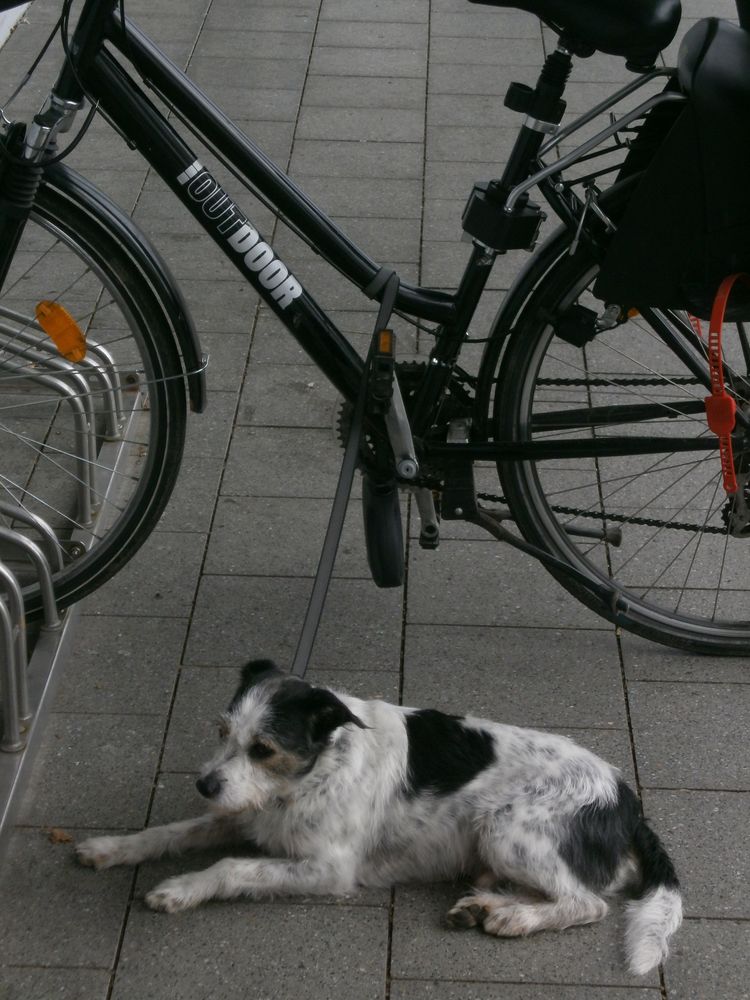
29,356
98,421
26,681
17,712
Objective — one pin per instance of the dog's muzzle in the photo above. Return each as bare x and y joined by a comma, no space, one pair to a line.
209,786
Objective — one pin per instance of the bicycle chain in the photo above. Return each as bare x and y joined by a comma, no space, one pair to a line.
678,380
648,522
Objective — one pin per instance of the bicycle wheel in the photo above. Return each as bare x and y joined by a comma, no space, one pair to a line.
90,447
651,527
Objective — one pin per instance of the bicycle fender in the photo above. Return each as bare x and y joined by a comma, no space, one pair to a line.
155,270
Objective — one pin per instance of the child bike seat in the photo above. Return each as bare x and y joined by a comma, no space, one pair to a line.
635,29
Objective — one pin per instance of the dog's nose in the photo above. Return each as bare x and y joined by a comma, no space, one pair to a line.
208,786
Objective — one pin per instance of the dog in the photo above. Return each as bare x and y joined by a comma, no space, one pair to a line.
340,793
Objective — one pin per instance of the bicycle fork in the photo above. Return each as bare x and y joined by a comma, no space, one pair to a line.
21,170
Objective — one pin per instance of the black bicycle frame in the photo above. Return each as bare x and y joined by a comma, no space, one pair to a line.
144,126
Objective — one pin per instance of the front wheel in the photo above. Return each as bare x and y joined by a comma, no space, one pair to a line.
652,526
91,442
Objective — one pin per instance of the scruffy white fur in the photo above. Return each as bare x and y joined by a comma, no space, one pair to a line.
341,793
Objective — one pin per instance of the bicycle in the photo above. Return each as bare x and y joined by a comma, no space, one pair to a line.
592,412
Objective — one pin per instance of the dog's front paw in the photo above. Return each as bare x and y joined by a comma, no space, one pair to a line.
174,894
104,852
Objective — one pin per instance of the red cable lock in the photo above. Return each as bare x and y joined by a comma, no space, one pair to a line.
721,408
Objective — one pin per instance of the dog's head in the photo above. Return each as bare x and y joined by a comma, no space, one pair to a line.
274,731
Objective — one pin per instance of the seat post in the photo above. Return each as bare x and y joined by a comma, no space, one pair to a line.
485,218
544,108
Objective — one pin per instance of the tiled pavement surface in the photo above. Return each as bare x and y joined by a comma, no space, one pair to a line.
386,111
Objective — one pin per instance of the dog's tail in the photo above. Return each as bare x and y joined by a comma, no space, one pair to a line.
656,912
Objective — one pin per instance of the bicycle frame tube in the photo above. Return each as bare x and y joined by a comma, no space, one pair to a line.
144,125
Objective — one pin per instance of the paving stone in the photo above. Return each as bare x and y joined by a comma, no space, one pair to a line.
136,674
113,758
705,835
222,307
401,160
361,124
161,578
226,361
466,143
280,536
357,61
508,674
287,396
193,499
265,18
709,960
360,196
208,433
485,24
483,51
380,92
211,72
462,584
647,661
23,983
416,989
55,912
272,614
372,34
424,948
339,951
676,726
282,462
476,110
406,11
223,44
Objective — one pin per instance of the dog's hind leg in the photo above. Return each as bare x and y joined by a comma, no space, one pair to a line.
155,842
516,916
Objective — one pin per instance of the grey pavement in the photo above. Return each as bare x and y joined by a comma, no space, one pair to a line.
385,111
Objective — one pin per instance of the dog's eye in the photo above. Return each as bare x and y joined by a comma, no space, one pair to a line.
260,751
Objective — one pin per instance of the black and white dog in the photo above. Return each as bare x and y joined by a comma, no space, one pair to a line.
341,793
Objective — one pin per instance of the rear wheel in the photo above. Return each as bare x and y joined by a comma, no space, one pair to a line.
652,527
91,447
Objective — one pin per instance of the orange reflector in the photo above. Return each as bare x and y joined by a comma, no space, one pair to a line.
62,330
632,313
385,342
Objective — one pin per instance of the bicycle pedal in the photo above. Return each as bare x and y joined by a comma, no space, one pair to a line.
382,373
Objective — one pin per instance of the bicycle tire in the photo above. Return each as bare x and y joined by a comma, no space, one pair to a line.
122,457
679,575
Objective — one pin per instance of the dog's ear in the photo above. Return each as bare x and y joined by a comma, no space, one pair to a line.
251,674
327,713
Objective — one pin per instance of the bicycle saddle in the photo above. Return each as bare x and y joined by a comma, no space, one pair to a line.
635,29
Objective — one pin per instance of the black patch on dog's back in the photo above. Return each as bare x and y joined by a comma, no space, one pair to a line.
444,754
599,837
